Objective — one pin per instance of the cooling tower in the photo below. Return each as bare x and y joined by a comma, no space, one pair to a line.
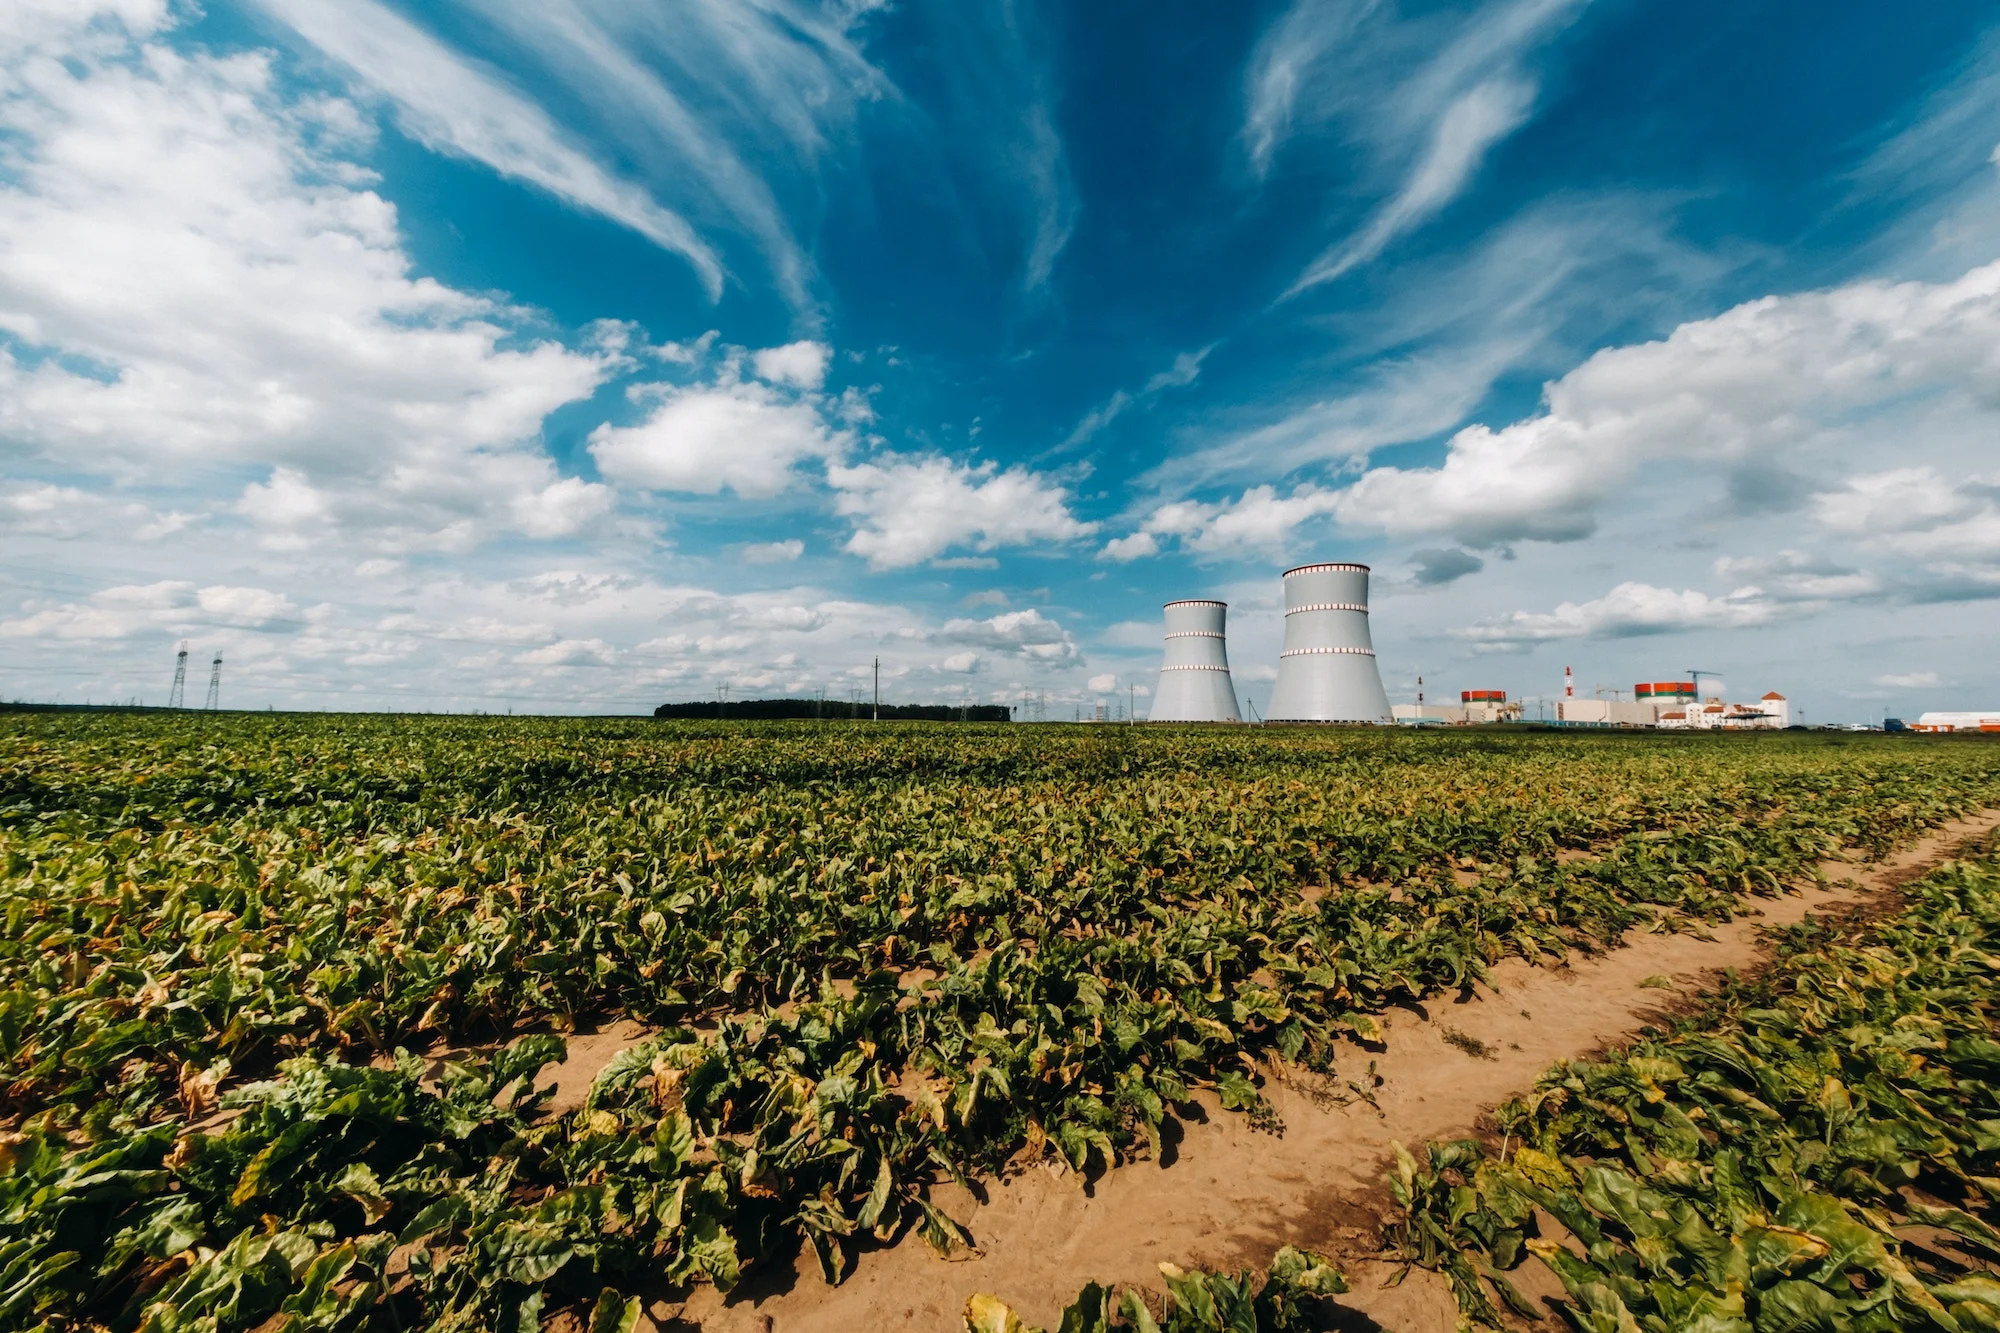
1327,671
1194,678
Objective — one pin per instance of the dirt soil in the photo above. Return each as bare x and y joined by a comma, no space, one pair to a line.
1225,1195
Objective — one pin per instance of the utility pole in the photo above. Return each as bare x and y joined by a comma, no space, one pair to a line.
177,696
878,691
215,683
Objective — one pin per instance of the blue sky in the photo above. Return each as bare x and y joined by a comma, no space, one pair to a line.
584,355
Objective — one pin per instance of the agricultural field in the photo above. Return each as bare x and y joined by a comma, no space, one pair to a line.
280,996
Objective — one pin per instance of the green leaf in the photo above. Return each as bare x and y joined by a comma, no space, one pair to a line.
614,1313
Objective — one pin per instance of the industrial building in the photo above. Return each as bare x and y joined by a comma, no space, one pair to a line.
1987,722
1671,705
1327,671
1474,706
1194,676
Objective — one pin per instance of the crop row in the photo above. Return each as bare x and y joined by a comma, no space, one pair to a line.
1819,1150
1044,958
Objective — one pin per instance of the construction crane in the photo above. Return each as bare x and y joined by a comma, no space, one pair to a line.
1696,673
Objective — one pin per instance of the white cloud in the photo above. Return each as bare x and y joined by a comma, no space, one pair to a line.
726,108
1183,372
1185,369
745,436
909,510
773,553
39,509
170,607
245,606
1028,634
1627,611
1919,513
264,322
802,365
1479,118
1428,95
571,652
1528,300
560,509
35,24
1103,684
1258,522
1758,385
1133,546
1911,680
450,105
965,663
1799,577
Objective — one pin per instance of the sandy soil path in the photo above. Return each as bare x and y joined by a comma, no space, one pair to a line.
1226,1195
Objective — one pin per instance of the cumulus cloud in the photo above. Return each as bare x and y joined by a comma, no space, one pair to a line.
1766,380
266,321
40,509
1103,684
801,364
773,553
1028,634
1435,566
1918,512
1259,522
1132,546
1627,611
746,437
168,607
909,510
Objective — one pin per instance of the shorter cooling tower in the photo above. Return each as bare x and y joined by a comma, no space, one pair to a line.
1194,678
1327,671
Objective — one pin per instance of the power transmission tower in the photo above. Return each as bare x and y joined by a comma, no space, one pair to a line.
878,691
177,696
214,684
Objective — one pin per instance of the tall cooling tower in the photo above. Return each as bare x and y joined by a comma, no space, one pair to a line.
1194,678
1327,671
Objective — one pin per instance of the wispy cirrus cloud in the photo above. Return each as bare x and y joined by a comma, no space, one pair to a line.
729,109
450,104
1528,299
1322,67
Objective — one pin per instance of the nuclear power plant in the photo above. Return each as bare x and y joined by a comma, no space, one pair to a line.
1327,671
1194,677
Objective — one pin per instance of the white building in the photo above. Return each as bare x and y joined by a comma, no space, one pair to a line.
1771,713
1989,722
1608,713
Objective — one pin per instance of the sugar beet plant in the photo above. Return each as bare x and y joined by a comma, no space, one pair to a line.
878,957
1821,1150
